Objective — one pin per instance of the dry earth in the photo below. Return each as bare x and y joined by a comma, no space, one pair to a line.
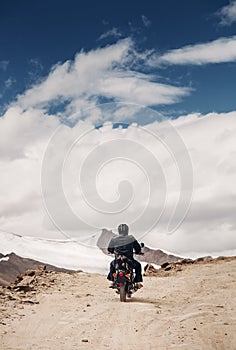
190,309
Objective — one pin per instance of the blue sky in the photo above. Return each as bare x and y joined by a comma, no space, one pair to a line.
34,36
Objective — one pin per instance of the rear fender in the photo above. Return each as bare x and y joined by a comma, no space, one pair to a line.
121,279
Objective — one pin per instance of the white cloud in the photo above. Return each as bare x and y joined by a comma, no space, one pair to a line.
227,14
103,73
36,64
35,69
210,224
105,22
218,51
23,138
9,82
146,21
112,33
19,131
136,87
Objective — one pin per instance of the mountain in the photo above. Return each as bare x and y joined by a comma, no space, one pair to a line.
153,256
67,253
11,265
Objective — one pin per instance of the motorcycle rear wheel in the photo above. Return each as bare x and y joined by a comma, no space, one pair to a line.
122,293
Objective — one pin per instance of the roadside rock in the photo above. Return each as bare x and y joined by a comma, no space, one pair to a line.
204,259
27,285
14,266
170,268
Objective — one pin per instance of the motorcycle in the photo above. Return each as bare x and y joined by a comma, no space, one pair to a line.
124,277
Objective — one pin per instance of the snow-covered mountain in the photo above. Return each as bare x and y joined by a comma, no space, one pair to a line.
62,253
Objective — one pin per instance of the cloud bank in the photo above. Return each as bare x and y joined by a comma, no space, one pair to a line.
210,142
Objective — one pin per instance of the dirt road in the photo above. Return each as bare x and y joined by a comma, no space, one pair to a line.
194,309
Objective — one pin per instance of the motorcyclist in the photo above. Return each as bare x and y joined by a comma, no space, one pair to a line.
125,244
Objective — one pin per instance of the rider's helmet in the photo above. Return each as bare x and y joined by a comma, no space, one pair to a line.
123,229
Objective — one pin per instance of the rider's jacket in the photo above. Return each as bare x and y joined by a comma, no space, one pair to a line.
124,245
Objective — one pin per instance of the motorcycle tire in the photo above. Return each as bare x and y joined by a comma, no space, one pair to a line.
122,293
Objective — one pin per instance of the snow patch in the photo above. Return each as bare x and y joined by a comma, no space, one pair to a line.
67,254
5,258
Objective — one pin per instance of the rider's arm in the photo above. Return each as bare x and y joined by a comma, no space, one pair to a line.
111,247
137,247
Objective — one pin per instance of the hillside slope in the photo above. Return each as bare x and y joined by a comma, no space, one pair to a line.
13,265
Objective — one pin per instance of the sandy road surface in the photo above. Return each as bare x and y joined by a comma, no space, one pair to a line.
194,309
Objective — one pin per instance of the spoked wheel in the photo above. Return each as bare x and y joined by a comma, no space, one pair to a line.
122,293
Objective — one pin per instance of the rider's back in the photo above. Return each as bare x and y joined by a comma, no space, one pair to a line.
124,245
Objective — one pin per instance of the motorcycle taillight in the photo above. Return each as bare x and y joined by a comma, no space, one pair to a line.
121,273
